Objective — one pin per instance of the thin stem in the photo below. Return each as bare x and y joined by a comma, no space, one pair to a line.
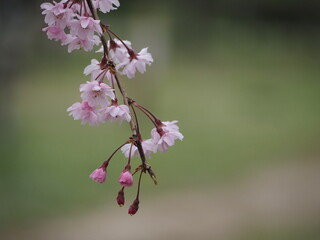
135,171
81,5
139,106
137,122
112,82
93,10
129,159
71,5
125,100
139,183
108,160
119,39
85,8
102,38
100,74
141,153
142,110
105,46
110,37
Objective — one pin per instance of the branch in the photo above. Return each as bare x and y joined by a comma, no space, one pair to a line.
105,46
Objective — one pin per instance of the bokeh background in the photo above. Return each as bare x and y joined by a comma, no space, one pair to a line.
242,78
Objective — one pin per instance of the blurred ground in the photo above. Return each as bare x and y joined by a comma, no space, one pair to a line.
273,203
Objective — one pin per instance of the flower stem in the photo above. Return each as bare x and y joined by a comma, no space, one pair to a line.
105,47
129,159
102,38
105,163
109,31
151,114
137,122
139,183
146,113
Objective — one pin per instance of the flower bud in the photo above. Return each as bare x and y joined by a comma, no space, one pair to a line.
120,198
134,207
99,175
126,179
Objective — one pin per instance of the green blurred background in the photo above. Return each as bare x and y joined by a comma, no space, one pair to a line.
242,78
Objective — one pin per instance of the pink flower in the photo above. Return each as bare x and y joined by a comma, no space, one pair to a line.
126,179
85,27
96,71
106,5
148,147
82,33
133,209
56,33
118,51
96,93
83,111
136,61
75,43
99,175
126,150
165,135
57,14
93,69
116,113
170,126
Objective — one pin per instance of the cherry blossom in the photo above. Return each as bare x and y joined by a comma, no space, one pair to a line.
57,14
116,113
170,126
106,5
148,147
94,69
118,51
83,111
75,43
165,136
96,93
56,33
97,71
136,61
84,27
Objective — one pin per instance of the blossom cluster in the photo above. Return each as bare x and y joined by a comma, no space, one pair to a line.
98,105
72,23
76,23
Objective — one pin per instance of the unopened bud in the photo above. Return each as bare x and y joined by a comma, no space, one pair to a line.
126,179
99,175
120,198
134,207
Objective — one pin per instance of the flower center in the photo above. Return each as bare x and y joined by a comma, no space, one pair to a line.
59,16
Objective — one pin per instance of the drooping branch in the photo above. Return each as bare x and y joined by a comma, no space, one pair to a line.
121,88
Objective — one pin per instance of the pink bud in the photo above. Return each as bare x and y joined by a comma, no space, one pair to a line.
134,207
120,198
99,175
126,179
